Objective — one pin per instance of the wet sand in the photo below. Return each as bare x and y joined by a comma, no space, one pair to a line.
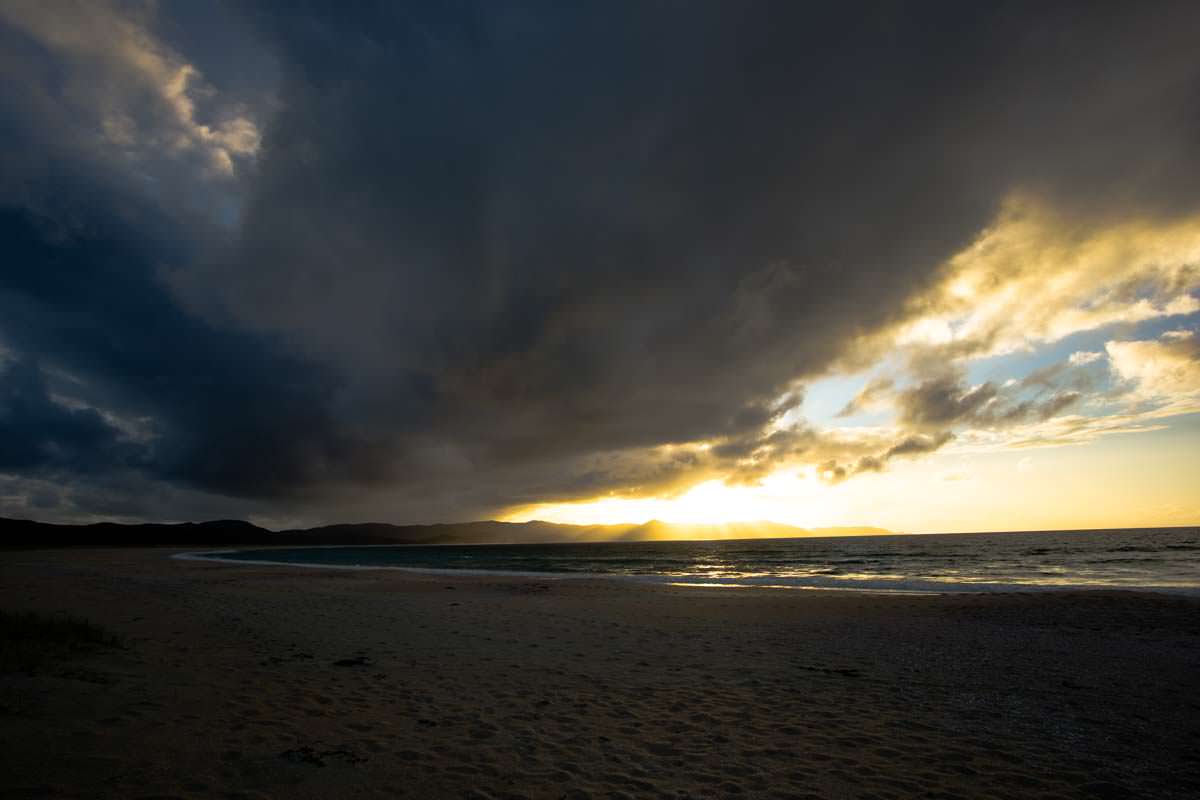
484,687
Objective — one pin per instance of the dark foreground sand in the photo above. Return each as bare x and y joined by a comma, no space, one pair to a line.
486,687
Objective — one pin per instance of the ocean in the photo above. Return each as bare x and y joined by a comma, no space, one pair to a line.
1163,559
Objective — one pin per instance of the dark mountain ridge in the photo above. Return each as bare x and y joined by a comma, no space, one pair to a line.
26,534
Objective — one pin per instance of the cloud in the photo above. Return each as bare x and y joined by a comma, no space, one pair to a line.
39,430
1037,275
1156,380
877,393
129,88
842,453
1079,358
485,253
919,444
1162,369
215,405
631,280
1033,277
943,401
1065,430
844,457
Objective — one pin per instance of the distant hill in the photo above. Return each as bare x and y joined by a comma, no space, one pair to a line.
230,533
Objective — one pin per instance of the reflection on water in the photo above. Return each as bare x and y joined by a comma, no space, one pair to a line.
1131,558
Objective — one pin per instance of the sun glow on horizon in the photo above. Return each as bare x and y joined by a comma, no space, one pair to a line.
958,490
789,497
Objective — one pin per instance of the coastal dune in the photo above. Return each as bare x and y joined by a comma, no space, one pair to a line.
248,681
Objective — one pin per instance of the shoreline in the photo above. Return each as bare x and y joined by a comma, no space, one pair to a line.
655,579
489,686
878,586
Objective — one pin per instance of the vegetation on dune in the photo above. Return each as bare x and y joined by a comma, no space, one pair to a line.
30,642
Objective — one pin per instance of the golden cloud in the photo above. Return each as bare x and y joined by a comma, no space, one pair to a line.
1035,276
1161,369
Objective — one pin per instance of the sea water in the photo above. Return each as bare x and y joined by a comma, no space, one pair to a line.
1165,559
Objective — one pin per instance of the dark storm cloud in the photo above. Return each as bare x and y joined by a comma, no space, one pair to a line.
219,409
38,432
497,250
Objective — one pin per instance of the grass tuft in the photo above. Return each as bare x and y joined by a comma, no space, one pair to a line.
30,642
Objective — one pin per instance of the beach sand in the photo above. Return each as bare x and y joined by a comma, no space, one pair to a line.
490,687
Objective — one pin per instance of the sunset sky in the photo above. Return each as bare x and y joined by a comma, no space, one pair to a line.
929,267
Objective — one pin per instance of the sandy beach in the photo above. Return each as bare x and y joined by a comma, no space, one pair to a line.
255,682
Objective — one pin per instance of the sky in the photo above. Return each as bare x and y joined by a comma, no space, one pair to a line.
929,267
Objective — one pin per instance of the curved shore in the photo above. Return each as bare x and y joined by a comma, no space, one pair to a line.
311,557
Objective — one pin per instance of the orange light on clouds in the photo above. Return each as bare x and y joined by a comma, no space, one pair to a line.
1084,486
